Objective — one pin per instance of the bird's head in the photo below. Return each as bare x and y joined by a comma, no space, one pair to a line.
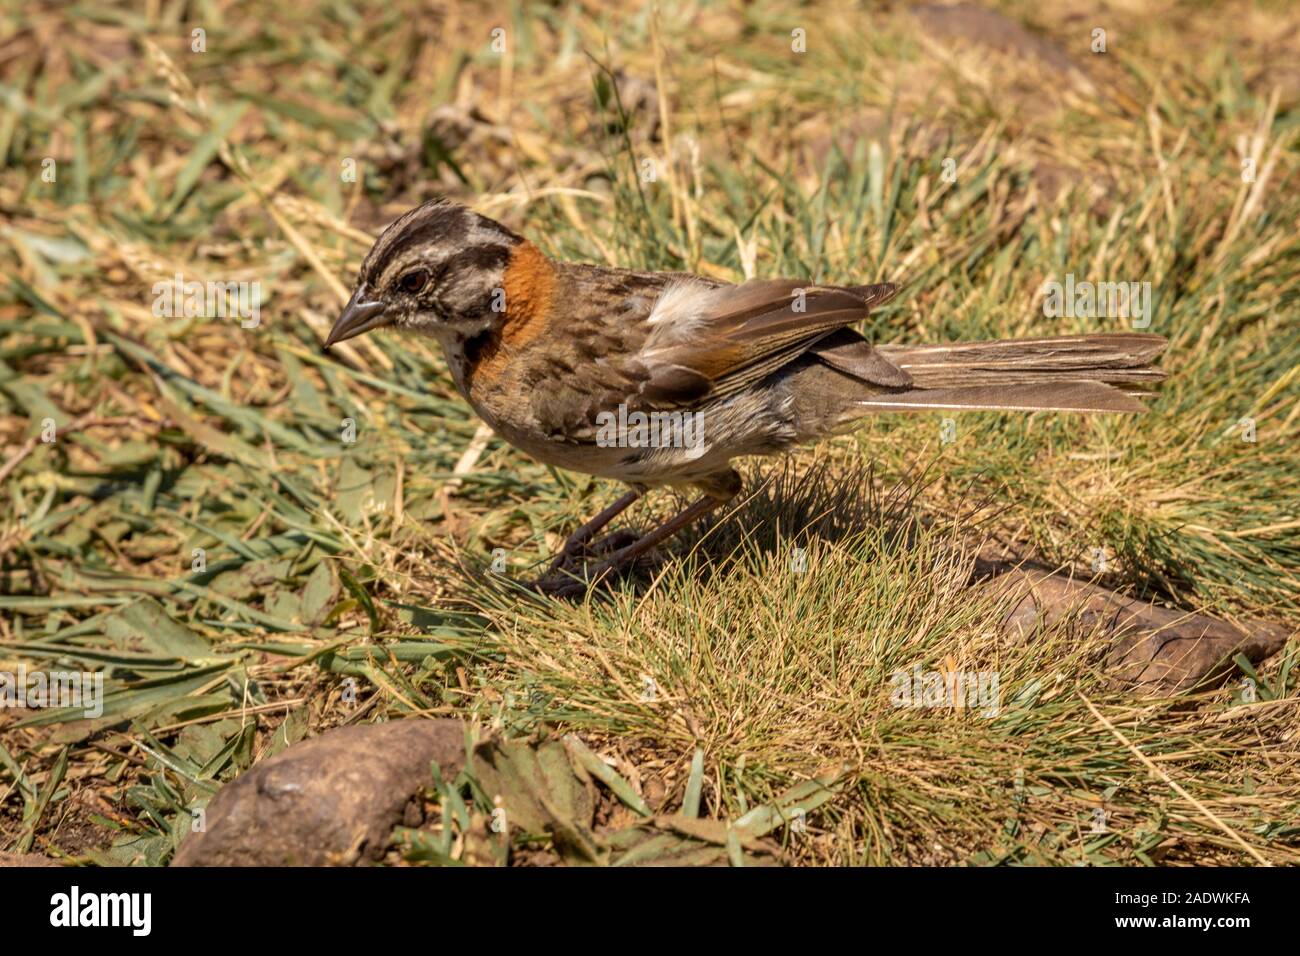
439,269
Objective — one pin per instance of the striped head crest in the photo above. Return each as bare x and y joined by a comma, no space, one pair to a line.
437,269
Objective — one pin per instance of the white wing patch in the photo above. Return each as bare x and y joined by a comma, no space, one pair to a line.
679,312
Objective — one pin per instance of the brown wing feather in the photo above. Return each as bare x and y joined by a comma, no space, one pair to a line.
756,328
848,352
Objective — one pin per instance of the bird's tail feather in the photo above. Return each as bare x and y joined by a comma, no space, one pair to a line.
1084,373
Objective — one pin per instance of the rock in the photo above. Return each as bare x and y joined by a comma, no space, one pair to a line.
1154,649
329,801
25,860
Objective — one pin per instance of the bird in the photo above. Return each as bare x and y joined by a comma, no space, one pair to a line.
665,378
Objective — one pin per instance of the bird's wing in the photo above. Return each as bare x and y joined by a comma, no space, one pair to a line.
710,342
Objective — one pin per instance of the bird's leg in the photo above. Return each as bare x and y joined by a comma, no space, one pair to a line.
625,556
584,534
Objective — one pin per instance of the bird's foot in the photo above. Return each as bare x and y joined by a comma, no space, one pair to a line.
575,553
577,542
560,583
570,572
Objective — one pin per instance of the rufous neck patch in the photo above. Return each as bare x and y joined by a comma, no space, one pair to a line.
529,288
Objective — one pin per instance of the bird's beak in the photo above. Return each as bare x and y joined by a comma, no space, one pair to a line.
359,316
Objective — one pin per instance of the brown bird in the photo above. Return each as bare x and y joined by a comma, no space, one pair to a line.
657,378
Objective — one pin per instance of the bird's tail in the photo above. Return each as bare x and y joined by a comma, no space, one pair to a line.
1079,373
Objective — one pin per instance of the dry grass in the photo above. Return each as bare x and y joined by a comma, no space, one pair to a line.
328,559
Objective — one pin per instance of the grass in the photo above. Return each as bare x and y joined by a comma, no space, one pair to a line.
202,533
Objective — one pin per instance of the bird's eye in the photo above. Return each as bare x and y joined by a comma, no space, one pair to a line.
413,282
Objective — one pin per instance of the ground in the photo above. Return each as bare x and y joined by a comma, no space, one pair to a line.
254,542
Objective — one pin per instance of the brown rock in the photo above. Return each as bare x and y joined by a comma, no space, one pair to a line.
329,801
1154,649
25,860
